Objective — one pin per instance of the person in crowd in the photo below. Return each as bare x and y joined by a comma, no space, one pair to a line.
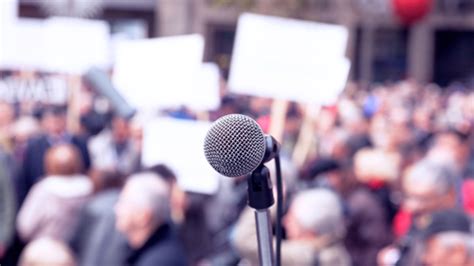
52,207
24,128
96,242
222,211
46,251
428,188
314,228
143,217
53,123
399,146
230,104
448,240
114,150
451,148
7,207
188,214
369,205
7,118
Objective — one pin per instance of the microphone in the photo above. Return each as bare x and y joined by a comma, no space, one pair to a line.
235,145
100,81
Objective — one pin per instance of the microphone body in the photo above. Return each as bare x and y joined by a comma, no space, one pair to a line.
236,146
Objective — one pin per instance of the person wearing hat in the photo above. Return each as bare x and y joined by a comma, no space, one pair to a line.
448,240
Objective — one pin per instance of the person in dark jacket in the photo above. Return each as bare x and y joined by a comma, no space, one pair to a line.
143,217
53,122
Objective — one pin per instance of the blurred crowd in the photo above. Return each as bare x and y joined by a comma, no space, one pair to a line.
388,179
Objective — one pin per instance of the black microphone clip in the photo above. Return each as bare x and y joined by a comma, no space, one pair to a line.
272,148
260,190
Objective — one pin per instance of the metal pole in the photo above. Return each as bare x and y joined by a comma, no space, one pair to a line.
264,237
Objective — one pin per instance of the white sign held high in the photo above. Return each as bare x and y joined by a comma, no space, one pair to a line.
206,96
159,73
8,15
51,89
23,45
289,59
74,45
58,45
179,144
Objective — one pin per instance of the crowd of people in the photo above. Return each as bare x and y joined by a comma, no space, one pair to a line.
388,180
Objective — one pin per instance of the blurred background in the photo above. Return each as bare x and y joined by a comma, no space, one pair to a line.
105,104
381,47
388,41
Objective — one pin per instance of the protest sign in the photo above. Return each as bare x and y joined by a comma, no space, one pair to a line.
179,144
47,89
57,45
73,45
289,59
165,73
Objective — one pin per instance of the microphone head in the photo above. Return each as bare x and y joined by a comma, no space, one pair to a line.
235,145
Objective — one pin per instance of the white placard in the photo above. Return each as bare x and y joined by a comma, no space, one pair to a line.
49,89
61,45
158,73
74,45
8,14
8,11
206,91
179,144
289,59
23,45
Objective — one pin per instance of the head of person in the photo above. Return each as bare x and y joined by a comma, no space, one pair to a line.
428,187
178,196
54,120
450,147
313,214
106,179
143,206
120,129
63,160
7,114
336,146
382,132
47,252
376,165
24,128
329,172
448,240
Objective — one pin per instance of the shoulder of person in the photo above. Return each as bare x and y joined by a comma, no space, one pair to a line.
165,253
334,255
67,187
361,197
38,140
79,139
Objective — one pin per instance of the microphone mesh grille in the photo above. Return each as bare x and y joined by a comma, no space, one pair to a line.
235,145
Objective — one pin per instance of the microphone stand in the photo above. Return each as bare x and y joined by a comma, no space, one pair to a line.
260,197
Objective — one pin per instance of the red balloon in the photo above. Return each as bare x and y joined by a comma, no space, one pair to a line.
411,11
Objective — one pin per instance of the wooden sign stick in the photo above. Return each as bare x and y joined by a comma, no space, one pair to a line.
306,137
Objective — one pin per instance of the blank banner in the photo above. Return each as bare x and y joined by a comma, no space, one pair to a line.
289,59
